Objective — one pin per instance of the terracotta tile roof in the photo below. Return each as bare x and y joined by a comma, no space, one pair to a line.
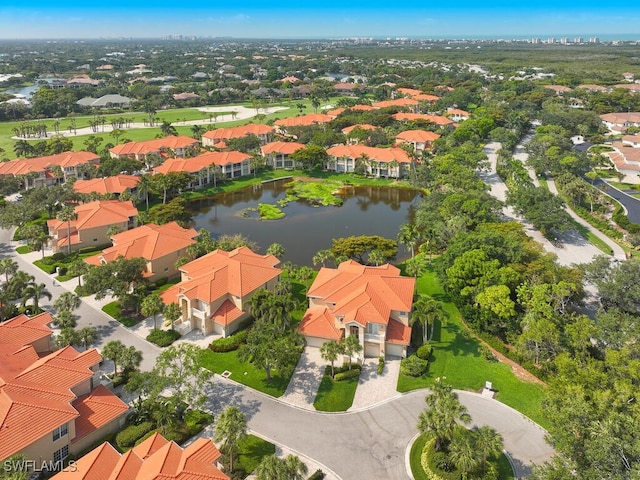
417,136
318,321
153,146
363,294
625,157
593,88
362,108
363,126
116,184
23,330
335,112
285,148
97,409
557,88
36,396
304,120
619,118
226,313
238,132
398,333
150,242
153,459
632,87
398,102
97,214
290,79
374,153
23,166
227,158
437,119
410,92
425,97
221,273
457,111
190,165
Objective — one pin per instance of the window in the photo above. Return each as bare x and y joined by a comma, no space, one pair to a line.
61,454
60,432
372,328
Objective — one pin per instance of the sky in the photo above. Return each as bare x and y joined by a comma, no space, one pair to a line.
39,19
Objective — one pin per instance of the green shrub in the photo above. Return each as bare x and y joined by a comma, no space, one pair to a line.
317,475
413,366
62,271
486,352
163,338
380,365
353,373
424,352
56,257
228,344
442,462
144,437
197,418
128,437
342,369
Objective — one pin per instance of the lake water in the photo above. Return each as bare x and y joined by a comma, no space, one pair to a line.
307,229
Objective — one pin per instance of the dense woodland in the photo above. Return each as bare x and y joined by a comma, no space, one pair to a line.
510,291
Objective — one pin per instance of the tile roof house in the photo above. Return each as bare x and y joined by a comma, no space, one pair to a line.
48,170
615,122
107,185
409,103
155,458
626,156
277,154
355,139
215,289
160,245
420,139
212,137
372,303
378,162
202,166
158,146
437,119
92,223
558,89
49,404
303,120
630,87
106,101
457,115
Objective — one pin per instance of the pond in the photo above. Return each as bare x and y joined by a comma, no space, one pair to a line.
306,229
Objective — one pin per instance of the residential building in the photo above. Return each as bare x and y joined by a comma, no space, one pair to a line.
202,167
372,303
303,121
213,137
593,88
408,103
140,150
92,223
106,101
115,185
215,290
350,89
160,245
231,164
615,122
277,154
437,119
457,115
51,404
49,170
421,140
630,87
378,162
626,155
353,139
156,458
559,90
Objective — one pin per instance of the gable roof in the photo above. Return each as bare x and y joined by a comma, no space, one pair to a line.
221,273
238,132
398,102
22,166
318,321
106,185
373,153
96,214
363,126
154,459
153,146
22,330
285,148
304,120
437,119
148,241
417,136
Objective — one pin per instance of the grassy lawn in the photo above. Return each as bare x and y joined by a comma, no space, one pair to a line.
335,396
113,310
456,357
592,238
244,373
251,451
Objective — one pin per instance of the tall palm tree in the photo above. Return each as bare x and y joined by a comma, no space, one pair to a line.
426,310
322,256
8,267
488,443
463,453
88,336
67,301
67,214
296,468
330,351
271,468
230,429
409,236
35,292
144,187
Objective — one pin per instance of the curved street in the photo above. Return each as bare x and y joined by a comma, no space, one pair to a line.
630,203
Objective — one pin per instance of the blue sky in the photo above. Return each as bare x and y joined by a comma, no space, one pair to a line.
21,19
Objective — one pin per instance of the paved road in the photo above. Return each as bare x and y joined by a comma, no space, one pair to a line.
372,444
630,203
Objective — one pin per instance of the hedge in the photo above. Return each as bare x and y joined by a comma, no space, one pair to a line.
317,475
163,338
354,373
229,344
128,437
413,366
380,365
424,352
343,368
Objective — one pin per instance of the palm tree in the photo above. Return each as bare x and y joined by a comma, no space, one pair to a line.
276,249
144,187
88,336
377,256
443,412
426,310
35,292
488,443
172,312
197,131
67,214
463,453
116,133
409,236
78,268
151,306
67,336
271,468
322,256
67,301
351,347
330,351
8,267
296,468
230,429
64,319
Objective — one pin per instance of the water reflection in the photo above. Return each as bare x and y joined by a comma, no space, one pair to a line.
307,229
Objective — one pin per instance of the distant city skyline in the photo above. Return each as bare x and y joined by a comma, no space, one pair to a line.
37,19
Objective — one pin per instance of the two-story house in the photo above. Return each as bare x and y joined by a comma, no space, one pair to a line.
277,154
140,150
378,162
215,290
92,223
421,140
212,138
372,303
115,185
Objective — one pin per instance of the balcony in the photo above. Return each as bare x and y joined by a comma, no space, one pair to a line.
372,337
198,313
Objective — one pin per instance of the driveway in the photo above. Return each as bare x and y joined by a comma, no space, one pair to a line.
303,386
374,388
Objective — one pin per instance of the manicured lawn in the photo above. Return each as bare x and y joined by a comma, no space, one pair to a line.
252,450
335,396
456,357
24,249
113,309
593,239
244,373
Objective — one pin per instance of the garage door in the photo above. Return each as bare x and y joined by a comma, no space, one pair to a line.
371,349
315,341
395,350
